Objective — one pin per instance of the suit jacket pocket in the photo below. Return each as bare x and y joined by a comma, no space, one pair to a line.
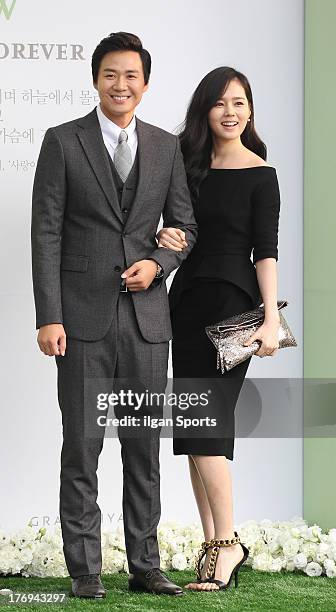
75,263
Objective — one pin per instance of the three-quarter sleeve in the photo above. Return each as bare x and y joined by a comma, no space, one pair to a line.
265,218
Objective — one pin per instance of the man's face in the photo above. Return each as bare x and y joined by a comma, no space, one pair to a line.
120,85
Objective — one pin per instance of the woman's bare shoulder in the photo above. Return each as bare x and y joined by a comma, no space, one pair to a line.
256,160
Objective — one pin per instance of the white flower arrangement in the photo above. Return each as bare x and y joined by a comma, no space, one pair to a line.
274,546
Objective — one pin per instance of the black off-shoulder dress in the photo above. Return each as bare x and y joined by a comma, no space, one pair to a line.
238,215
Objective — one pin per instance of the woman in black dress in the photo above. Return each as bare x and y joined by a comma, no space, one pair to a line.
236,201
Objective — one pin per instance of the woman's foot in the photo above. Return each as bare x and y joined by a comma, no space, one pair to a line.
191,585
227,559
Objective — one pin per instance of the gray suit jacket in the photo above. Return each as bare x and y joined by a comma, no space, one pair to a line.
80,241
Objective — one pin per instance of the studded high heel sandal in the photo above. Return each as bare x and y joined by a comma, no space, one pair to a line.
210,573
202,552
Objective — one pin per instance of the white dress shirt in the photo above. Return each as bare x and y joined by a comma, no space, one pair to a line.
111,132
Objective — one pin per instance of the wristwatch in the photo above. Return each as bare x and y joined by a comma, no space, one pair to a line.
159,271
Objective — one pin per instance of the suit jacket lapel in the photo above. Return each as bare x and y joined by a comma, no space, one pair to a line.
92,142
146,155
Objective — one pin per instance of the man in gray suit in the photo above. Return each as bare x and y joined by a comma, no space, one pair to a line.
101,185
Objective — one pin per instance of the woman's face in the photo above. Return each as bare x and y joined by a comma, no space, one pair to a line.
228,118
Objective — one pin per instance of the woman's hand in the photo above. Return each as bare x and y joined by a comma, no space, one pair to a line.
171,238
268,335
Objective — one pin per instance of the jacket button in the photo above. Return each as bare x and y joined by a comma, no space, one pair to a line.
125,211
117,268
124,234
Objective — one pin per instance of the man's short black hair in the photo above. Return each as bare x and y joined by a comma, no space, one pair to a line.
120,41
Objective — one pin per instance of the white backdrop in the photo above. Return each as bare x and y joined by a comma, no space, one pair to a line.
262,38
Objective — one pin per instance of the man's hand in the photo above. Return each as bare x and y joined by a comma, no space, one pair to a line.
140,275
52,339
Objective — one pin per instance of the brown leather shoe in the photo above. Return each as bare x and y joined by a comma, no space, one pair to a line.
88,587
153,581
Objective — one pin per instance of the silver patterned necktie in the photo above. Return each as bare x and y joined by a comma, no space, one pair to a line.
123,156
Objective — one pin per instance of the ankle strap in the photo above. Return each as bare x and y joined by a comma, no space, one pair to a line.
207,544
222,543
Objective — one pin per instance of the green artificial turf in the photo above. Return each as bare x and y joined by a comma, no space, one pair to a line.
260,591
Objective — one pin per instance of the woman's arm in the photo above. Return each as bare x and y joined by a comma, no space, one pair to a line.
268,332
265,222
267,280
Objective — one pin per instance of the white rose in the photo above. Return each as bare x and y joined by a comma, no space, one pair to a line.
16,564
309,549
290,565
195,544
332,551
316,531
175,548
291,547
26,556
164,556
190,552
113,561
24,537
258,547
274,548
331,572
313,569
7,559
277,564
321,552
249,533
5,553
262,562
283,536
166,565
312,534
165,534
323,548
332,535
271,535
179,562
4,539
115,540
329,564
300,561
47,561
191,558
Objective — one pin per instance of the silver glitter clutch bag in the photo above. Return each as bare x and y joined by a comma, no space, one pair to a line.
229,336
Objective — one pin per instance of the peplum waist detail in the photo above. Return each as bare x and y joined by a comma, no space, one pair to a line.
236,268
216,247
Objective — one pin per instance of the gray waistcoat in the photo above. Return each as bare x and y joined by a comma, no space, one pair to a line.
126,191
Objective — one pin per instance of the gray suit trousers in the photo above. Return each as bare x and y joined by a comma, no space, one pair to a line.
122,353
